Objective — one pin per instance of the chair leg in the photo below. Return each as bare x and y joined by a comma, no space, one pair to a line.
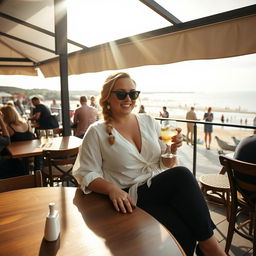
254,232
231,228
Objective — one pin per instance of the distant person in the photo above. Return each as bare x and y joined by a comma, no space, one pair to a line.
142,109
18,128
56,109
165,113
30,107
191,115
42,116
222,119
208,117
94,105
84,117
55,106
19,107
93,102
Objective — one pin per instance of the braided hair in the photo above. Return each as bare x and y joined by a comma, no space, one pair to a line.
106,108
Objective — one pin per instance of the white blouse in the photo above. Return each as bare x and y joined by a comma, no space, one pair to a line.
121,164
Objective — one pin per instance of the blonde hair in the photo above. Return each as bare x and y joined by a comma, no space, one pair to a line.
11,116
106,110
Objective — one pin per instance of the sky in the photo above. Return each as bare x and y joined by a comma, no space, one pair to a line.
235,74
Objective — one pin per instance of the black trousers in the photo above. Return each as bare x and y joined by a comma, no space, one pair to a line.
175,200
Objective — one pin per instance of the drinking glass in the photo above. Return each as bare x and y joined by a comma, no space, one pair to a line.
168,130
50,134
43,137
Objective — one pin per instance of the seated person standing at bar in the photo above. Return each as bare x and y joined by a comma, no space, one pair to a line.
42,116
120,157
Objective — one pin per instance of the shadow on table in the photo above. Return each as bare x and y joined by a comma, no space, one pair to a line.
49,248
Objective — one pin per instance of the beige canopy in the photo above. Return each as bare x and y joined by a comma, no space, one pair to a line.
27,41
224,39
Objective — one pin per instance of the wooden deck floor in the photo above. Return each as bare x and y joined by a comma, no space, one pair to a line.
240,246
208,162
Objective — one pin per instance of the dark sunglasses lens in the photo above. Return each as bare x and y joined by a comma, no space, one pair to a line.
134,95
121,95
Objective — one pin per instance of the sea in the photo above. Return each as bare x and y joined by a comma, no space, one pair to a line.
237,107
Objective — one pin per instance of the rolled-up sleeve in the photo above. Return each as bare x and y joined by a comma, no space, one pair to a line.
88,165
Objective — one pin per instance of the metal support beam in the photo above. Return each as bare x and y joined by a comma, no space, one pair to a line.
60,11
16,59
34,27
64,95
161,11
26,42
195,149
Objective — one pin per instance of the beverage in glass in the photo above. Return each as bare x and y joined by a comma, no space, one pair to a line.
168,130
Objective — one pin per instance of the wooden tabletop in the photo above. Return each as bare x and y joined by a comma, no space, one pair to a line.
89,226
35,147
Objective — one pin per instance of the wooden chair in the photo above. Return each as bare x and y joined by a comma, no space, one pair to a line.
58,165
21,182
242,177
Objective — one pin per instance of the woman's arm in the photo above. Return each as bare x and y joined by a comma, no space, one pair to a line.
35,117
120,199
88,172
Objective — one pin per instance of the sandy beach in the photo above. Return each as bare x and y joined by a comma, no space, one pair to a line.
223,133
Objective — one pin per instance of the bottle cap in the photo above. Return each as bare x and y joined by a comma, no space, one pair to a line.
52,208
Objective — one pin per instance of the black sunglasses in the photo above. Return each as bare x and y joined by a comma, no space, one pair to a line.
121,95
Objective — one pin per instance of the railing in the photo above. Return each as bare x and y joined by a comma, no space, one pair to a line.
195,132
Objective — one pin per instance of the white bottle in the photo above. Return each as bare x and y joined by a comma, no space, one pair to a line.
52,224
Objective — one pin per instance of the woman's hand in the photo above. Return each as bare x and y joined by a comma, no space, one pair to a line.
177,141
121,200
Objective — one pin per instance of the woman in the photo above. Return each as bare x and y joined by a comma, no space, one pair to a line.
121,157
8,167
208,117
18,129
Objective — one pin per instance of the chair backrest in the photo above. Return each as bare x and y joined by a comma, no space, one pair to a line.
57,161
21,182
242,178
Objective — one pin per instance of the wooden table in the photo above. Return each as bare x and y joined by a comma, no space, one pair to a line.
89,226
30,148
